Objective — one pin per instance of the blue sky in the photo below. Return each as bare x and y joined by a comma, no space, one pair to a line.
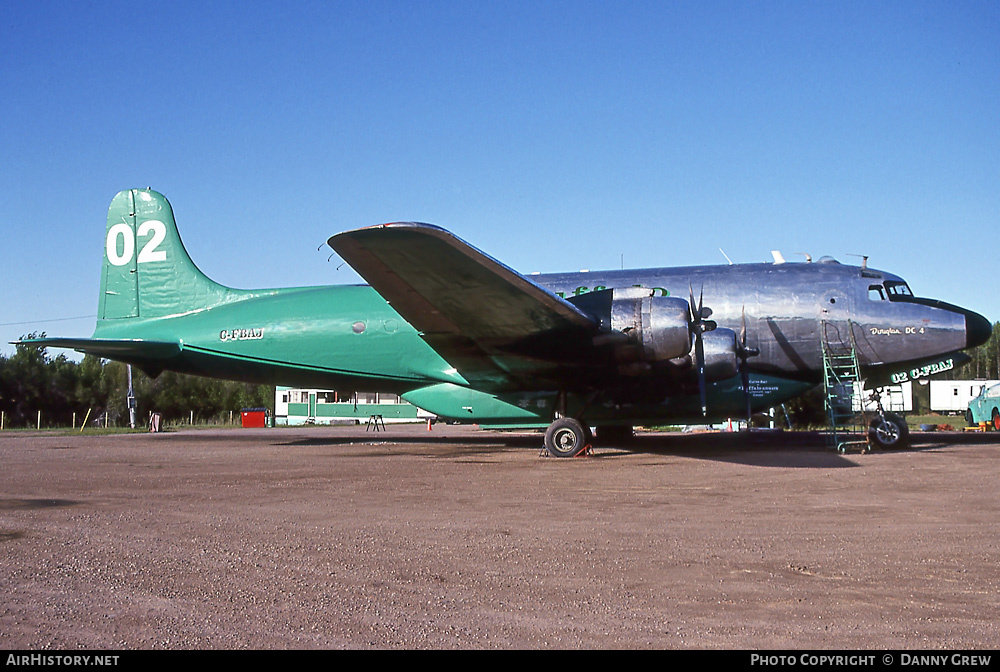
552,135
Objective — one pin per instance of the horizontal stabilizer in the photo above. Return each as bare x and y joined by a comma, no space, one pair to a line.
126,350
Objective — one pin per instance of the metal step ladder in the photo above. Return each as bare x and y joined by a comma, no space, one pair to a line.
841,377
896,399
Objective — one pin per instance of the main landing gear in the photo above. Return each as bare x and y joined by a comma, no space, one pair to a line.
567,437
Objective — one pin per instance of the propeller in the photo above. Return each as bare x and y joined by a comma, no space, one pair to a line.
700,325
744,353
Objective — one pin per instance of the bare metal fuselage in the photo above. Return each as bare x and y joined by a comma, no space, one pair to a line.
791,308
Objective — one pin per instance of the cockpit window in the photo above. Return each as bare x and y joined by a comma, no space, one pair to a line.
898,291
875,293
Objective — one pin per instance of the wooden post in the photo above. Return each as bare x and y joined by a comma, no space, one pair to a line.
38,423
84,423
74,419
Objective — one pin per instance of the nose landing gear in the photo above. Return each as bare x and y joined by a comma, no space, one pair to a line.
889,432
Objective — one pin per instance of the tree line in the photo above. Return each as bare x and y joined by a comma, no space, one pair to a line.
33,381
985,360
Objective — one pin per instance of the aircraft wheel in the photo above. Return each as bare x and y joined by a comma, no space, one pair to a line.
566,437
889,432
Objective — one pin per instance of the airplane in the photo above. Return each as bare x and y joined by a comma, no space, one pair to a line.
461,335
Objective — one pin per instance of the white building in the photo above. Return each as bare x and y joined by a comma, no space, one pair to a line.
295,406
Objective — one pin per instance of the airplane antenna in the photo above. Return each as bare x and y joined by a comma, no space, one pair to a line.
864,260
809,257
726,256
331,257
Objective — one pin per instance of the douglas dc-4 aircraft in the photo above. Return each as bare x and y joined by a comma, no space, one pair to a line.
459,334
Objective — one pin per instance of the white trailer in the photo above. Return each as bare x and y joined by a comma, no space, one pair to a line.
953,396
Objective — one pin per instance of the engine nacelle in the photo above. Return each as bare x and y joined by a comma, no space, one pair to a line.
721,360
658,327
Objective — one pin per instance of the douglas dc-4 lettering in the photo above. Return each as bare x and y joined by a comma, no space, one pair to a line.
463,336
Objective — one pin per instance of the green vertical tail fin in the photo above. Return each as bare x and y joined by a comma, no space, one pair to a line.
147,272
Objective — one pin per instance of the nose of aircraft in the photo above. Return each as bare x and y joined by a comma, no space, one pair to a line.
977,329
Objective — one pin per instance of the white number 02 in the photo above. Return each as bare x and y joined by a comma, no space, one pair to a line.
154,228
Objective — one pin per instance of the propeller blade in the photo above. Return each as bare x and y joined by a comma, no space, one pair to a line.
746,389
745,353
697,329
744,370
699,353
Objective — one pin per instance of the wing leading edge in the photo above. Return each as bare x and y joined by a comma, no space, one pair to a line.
495,326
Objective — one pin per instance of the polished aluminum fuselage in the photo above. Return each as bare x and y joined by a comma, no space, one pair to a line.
790,309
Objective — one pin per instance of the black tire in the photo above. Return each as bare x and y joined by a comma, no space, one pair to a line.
566,437
968,418
889,433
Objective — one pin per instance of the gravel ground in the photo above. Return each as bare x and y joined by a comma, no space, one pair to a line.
458,538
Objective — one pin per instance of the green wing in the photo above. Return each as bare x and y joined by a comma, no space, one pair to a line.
495,326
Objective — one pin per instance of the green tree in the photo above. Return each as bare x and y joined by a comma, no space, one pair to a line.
985,360
32,382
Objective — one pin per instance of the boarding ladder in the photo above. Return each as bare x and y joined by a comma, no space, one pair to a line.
841,377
